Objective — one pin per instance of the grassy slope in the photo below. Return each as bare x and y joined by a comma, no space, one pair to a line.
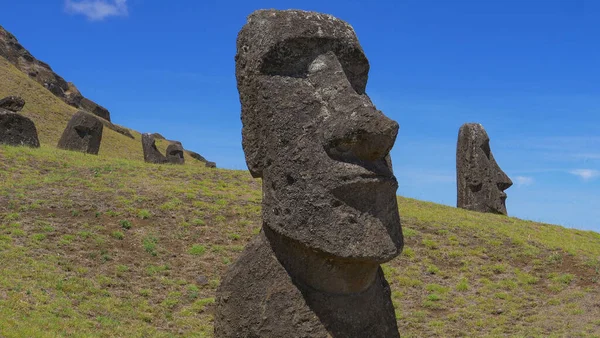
51,115
94,246
110,246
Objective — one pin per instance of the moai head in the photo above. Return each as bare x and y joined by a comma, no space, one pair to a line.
12,103
481,182
83,133
175,153
315,138
17,130
151,153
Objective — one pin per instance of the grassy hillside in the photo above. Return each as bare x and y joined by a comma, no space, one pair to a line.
97,246
51,115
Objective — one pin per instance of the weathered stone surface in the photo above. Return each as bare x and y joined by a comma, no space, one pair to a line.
201,158
158,136
15,53
95,108
197,156
330,215
119,129
175,153
17,130
72,95
151,153
12,103
83,133
480,181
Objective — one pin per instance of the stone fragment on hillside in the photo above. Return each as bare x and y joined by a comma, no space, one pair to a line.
175,153
151,153
95,108
158,136
72,95
201,158
480,181
12,103
83,133
329,209
17,130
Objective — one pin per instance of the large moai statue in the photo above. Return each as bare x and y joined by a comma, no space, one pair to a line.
175,153
480,181
16,129
151,153
83,133
329,209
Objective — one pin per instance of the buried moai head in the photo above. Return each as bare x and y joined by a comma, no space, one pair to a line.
17,130
480,181
175,153
83,133
151,153
12,103
315,138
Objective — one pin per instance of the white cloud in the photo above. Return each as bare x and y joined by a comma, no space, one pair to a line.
585,174
523,181
97,10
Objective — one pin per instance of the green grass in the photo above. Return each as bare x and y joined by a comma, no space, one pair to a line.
128,261
51,115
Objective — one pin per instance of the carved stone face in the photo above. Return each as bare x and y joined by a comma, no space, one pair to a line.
316,139
175,153
481,182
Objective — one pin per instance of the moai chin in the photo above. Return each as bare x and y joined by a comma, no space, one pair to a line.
480,181
330,215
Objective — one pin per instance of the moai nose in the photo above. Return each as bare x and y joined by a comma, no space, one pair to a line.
503,182
368,137
354,128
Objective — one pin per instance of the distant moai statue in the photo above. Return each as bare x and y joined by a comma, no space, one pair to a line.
12,103
16,129
151,153
175,153
83,133
480,181
329,209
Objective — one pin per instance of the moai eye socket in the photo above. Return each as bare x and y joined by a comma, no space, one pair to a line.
293,57
485,146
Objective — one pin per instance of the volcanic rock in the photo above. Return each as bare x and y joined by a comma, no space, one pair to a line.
330,215
151,153
83,133
175,153
21,58
17,130
12,103
480,181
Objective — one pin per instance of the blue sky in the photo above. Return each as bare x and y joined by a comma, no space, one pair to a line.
528,70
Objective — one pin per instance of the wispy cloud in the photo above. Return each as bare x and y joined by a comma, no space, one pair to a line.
585,174
97,10
523,181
